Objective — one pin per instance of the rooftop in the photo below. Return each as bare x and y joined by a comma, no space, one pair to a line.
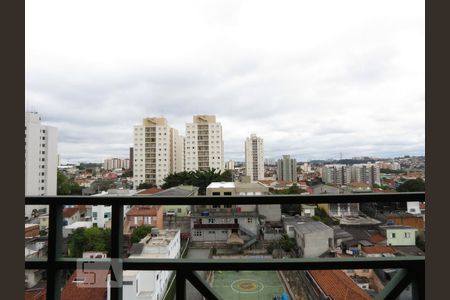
377,238
149,191
338,286
221,185
310,227
397,227
182,191
143,210
378,250
81,224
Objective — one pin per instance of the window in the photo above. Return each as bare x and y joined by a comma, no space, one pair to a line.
393,235
227,193
211,221
407,235
107,215
198,233
216,194
94,214
249,220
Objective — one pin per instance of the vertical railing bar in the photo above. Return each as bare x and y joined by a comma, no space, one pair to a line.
180,281
117,250
54,279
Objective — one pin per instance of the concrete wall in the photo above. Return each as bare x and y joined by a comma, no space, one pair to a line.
314,244
272,212
400,238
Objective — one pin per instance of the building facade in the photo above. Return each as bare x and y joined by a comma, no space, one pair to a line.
41,160
366,173
287,168
151,152
204,144
337,174
229,165
176,152
254,157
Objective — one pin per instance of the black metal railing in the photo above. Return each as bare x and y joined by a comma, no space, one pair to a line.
412,268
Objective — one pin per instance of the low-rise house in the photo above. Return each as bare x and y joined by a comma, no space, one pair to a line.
35,248
43,221
378,251
313,238
399,235
74,214
336,285
179,191
150,285
308,210
69,229
31,230
101,214
140,215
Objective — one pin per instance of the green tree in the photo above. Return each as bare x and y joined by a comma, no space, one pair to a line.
284,243
199,178
66,186
89,239
140,232
412,185
145,185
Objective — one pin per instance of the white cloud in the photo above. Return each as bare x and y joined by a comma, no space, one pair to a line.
313,78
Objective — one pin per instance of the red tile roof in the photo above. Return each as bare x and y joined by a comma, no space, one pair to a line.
338,286
143,210
150,191
73,292
377,238
70,211
35,294
378,250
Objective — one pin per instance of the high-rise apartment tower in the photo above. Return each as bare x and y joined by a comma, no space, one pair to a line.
254,157
204,144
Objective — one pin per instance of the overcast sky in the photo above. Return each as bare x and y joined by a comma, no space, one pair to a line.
312,78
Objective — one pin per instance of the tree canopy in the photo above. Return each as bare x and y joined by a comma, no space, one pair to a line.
67,186
198,178
412,185
89,239
140,232
145,185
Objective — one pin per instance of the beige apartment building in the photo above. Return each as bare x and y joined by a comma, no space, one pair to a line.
157,151
204,144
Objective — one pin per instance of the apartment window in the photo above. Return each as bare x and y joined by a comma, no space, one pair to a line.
212,232
407,235
249,220
198,233
393,235
211,221
94,214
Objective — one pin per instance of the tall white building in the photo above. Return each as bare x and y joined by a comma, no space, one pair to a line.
254,157
176,152
151,151
229,165
204,144
41,159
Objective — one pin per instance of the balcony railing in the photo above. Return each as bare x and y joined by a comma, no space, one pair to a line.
412,268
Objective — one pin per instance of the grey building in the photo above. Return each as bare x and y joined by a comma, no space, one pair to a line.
313,238
287,168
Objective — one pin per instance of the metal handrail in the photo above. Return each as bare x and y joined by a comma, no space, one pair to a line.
413,267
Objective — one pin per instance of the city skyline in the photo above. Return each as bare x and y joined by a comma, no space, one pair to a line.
358,89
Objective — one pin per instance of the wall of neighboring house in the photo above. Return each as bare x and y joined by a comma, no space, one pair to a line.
401,237
210,235
314,244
